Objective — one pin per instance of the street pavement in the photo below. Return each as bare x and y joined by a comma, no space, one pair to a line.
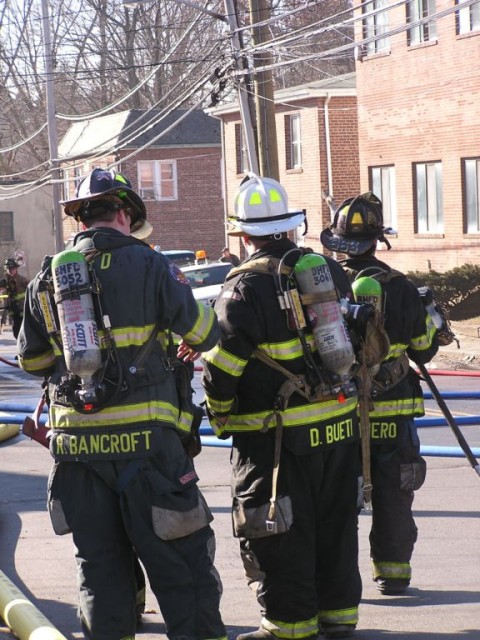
443,602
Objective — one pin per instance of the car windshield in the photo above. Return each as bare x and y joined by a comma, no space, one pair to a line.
207,274
180,258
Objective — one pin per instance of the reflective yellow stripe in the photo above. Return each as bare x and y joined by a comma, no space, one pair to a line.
219,406
287,350
121,415
202,327
125,337
43,361
225,361
300,629
420,343
399,570
339,616
184,422
396,350
132,336
293,416
400,407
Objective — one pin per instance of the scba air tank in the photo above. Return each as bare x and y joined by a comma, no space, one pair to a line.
76,313
325,313
368,290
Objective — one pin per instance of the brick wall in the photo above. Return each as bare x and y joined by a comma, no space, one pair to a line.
196,219
420,104
304,186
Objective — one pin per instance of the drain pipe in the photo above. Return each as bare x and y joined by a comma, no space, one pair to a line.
329,150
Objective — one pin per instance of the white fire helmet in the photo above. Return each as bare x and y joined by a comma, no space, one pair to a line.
261,209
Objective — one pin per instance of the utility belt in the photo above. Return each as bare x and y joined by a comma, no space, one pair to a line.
390,374
297,383
105,444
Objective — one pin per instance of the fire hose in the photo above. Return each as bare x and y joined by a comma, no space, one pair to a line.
450,419
12,364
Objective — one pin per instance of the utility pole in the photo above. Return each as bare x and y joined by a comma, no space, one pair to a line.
264,101
52,131
243,100
246,116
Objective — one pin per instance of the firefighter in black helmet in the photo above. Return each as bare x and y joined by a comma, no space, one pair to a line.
396,465
122,482
15,286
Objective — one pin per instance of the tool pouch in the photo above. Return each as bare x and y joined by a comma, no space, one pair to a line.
413,474
253,522
55,509
174,523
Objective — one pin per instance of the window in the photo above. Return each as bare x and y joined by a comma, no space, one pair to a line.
467,18
429,199
471,175
425,32
241,149
293,141
6,226
157,179
375,25
382,183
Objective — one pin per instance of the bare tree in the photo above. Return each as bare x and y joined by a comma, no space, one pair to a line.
102,52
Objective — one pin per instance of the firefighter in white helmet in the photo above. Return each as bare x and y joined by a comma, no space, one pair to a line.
123,482
397,468
294,429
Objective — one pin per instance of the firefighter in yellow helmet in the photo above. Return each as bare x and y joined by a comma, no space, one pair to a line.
397,469
123,483
301,556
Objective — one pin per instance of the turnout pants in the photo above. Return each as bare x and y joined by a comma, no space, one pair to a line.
109,530
309,574
397,471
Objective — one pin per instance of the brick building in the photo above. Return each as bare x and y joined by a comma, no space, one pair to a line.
418,92
317,140
175,165
26,226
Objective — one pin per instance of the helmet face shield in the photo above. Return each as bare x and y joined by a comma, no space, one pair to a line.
110,187
357,225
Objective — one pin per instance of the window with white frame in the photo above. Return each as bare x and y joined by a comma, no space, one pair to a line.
382,183
293,141
241,149
471,173
467,18
6,226
429,197
296,141
375,24
425,32
157,179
